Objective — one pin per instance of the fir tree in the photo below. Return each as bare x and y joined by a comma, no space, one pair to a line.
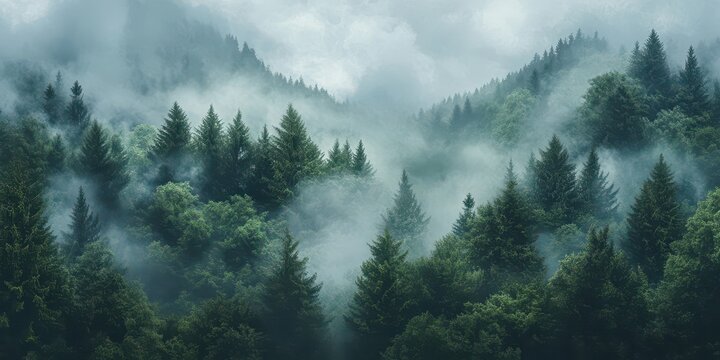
379,308
554,185
261,180
596,196
33,284
295,156
360,165
84,228
502,236
209,145
336,162
77,114
635,66
105,162
238,158
406,221
51,105
295,323
654,222
462,224
534,83
654,72
692,96
171,143
346,155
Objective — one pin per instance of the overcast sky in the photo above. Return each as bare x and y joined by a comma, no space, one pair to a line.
416,52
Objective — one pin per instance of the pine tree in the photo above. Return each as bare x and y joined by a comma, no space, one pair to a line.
209,145
51,105
360,165
599,304
238,158
456,118
692,96
295,323
77,114
406,221
379,308
84,228
261,180
346,155
635,66
336,162
467,112
654,222
655,72
596,196
554,183
174,136
33,284
105,162
534,83
462,224
502,236
295,156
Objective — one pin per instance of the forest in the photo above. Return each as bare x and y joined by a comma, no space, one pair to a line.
591,233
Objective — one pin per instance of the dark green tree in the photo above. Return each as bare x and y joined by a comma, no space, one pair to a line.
171,143
534,83
716,103
209,145
77,114
462,224
692,96
52,105
238,158
635,66
360,165
337,162
294,320
654,222
654,70
554,185
104,161
406,221
84,228
597,197
262,176
34,290
295,155
380,306
57,155
598,304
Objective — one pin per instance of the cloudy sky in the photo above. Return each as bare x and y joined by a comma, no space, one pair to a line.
416,52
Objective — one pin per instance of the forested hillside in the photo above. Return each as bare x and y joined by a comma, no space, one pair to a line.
589,229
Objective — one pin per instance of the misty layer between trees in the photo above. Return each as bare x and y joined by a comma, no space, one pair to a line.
176,241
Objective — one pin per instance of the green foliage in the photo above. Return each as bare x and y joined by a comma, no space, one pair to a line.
77,115
237,167
84,228
462,224
596,196
260,187
360,165
379,308
209,144
652,71
104,161
692,96
171,143
513,117
406,220
553,188
598,304
654,222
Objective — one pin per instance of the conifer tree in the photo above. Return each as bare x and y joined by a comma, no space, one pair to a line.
209,145
33,284
379,308
238,158
599,303
295,323
84,228
456,118
534,83
502,236
655,72
57,154
77,114
336,162
654,222
554,187
260,183
360,165
295,156
406,221
171,143
716,103
346,155
692,96
596,196
104,161
467,112
621,120
462,224
635,66
51,105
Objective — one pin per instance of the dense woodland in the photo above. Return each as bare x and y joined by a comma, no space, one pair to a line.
222,276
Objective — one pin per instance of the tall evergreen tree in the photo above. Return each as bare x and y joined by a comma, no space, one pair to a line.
295,323
52,105
379,308
597,197
635,66
77,114
346,155
238,158
360,165
84,228
57,154
261,180
34,288
598,304
467,111
406,221
456,118
502,236
336,161
171,143
209,145
104,161
295,156
462,224
654,222
654,69
554,187
534,83
692,96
